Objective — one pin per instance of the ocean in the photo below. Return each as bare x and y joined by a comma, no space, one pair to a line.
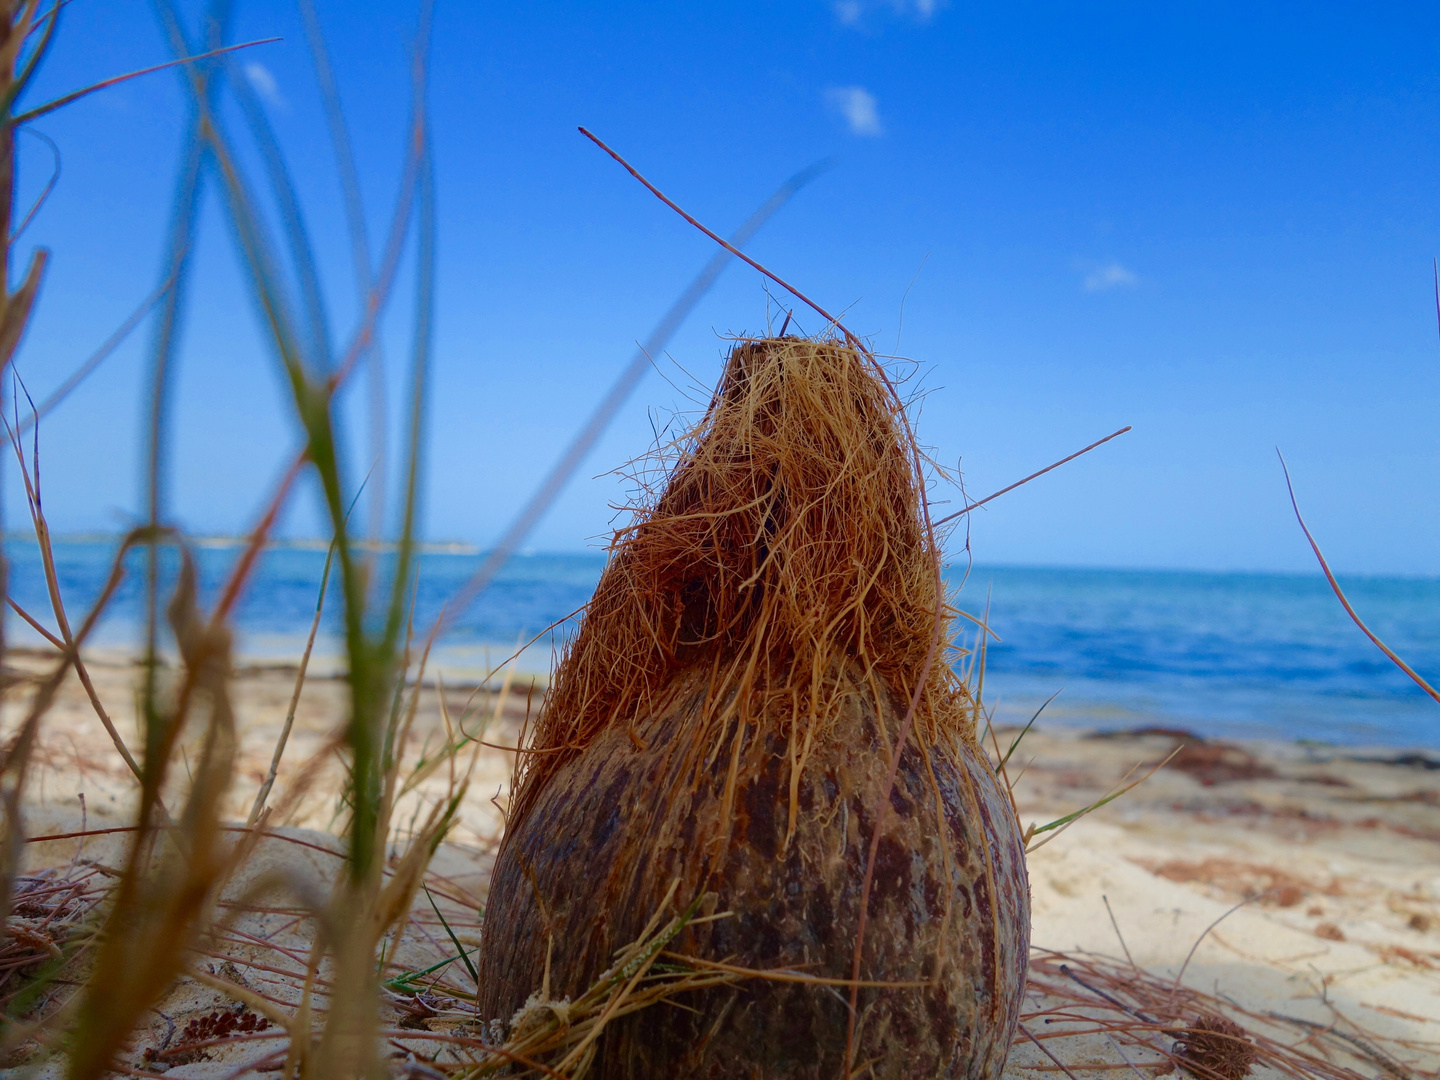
1220,654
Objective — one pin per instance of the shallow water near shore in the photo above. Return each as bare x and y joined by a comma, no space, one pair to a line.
1221,654
1244,655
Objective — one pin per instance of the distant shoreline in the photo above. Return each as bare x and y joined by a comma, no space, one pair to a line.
429,547
956,569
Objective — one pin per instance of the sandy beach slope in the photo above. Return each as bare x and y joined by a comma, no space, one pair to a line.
1332,854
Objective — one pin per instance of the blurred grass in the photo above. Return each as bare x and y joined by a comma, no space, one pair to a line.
178,861
77,990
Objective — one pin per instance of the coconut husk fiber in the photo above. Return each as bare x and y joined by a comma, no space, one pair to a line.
725,718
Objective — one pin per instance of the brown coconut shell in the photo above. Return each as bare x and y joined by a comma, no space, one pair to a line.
762,638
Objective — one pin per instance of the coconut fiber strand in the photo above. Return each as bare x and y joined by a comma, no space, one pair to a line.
724,718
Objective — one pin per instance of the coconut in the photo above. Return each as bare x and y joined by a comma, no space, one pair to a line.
763,637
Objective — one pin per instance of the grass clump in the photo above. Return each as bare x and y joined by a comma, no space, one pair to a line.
166,900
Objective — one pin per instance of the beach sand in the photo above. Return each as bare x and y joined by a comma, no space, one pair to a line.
1336,954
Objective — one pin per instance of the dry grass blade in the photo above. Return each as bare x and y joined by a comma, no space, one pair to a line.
52,584
1047,1052
1038,473
170,879
98,357
567,1031
15,757
1179,975
429,763
1340,593
610,404
937,614
829,319
18,304
60,102
264,793
34,623
1119,936
45,192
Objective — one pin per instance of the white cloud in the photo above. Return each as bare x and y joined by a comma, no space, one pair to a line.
852,12
265,85
857,105
1109,276
923,9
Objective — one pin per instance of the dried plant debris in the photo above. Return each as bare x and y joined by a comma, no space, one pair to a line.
1214,763
204,1033
45,912
1209,761
1270,885
1216,1046
1092,1014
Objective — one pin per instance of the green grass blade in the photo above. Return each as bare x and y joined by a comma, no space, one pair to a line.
404,983
292,217
1060,824
183,217
1026,729
468,965
420,375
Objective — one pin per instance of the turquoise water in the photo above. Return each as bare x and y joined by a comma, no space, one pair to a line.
1262,655
1259,655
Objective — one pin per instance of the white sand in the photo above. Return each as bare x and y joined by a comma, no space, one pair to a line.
1347,935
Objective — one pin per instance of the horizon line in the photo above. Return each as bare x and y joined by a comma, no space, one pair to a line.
221,541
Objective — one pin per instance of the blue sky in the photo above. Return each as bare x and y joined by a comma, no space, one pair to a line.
1213,222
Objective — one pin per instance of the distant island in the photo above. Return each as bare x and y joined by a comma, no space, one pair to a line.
315,543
